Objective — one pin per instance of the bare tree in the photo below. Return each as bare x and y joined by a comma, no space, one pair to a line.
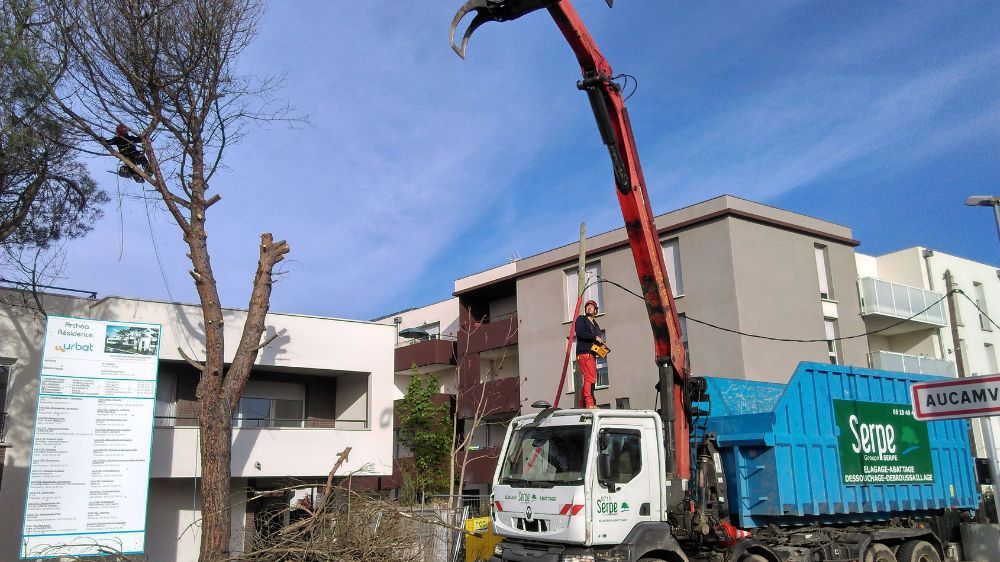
166,70
483,407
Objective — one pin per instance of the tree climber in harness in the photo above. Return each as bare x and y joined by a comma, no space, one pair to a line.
128,146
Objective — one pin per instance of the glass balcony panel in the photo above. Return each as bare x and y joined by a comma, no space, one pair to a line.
902,362
893,300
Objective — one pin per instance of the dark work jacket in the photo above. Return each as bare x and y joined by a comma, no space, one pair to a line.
586,334
125,144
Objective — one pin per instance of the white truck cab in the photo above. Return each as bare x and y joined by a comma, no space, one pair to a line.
580,478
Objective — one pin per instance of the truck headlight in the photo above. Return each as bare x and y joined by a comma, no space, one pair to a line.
576,558
498,549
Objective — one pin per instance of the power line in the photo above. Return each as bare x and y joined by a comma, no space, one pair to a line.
800,340
975,304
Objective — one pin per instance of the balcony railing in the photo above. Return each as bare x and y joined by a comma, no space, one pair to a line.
436,352
490,333
409,342
892,361
267,423
885,298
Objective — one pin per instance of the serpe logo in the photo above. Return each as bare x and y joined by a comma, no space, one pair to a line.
74,347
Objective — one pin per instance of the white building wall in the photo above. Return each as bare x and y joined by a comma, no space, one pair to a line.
444,313
363,351
911,267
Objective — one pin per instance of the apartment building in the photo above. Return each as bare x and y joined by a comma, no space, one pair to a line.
740,265
425,344
320,386
952,338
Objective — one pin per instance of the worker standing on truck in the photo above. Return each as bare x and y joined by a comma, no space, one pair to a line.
588,333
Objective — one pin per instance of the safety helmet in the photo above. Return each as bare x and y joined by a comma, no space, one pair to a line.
120,129
592,302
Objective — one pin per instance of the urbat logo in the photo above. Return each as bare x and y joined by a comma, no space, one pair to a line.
74,347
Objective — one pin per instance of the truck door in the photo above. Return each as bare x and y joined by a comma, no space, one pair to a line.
629,496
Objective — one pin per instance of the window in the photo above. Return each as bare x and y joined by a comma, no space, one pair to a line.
602,375
495,365
503,308
269,412
672,260
4,381
984,321
684,337
991,359
624,447
833,353
823,272
593,292
165,410
433,330
399,450
964,351
489,433
556,454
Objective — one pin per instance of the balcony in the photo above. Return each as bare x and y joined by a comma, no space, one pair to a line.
429,355
892,361
273,447
499,396
898,309
491,333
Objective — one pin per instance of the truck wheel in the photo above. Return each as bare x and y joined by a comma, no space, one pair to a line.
878,552
917,551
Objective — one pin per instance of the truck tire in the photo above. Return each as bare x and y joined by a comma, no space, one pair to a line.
917,551
878,552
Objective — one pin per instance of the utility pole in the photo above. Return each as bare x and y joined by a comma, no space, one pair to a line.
581,265
949,286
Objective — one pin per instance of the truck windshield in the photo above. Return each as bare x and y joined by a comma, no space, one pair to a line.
546,456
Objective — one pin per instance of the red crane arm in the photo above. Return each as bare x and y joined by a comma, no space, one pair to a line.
616,133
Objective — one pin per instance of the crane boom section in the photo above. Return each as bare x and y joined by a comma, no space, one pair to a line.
616,133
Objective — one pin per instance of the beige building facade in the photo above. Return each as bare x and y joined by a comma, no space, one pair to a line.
737,264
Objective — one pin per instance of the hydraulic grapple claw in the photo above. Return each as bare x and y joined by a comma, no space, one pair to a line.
491,10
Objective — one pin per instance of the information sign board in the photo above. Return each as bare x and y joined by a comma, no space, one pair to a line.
882,444
88,480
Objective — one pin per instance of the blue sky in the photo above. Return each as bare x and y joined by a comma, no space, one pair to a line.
417,168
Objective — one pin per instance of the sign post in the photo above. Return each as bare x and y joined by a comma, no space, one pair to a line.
969,397
88,480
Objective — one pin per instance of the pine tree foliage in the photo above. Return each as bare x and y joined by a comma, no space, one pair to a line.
46,194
